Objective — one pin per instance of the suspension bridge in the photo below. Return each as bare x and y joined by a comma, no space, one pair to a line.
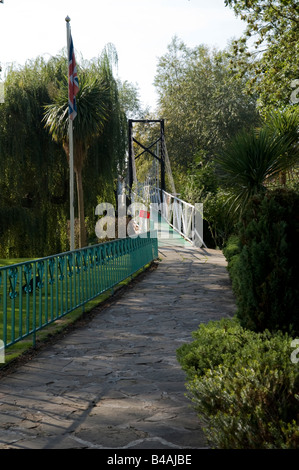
112,382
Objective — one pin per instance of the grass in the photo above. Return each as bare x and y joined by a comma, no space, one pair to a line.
10,261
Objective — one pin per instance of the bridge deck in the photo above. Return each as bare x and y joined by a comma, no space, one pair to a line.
114,383
168,236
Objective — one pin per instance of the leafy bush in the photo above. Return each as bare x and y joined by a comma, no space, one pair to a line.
243,386
232,247
200,180
266,271
253,158
220,222
201,185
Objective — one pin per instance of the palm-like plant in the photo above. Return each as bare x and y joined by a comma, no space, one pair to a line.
252,158
93,104
286,124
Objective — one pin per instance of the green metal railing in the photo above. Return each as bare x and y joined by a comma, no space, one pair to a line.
34,294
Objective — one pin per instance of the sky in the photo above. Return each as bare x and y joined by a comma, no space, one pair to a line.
140,30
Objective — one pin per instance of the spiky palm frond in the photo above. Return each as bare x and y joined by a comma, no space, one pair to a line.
285,123
92,111
93,103
250,159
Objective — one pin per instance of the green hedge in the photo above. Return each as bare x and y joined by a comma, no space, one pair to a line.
243,386
264,264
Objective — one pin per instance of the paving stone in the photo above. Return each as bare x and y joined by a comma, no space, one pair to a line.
115,383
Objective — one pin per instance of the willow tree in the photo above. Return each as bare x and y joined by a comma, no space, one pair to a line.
97,107
32,170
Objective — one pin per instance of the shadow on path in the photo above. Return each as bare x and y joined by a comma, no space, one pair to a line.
115,383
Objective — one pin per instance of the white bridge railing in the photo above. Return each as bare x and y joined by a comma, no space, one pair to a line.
186,219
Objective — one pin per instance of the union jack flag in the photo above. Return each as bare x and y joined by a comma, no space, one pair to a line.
144,214
73,81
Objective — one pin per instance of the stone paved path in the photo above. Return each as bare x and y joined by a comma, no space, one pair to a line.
115,383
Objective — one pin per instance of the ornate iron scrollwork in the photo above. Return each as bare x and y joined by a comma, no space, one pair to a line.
51,271
13,279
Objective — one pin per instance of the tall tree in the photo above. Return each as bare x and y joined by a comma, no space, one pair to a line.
32,173
89,122
130,100
98,113
269,47
202,103
34,176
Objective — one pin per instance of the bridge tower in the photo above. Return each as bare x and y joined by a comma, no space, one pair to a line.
149,149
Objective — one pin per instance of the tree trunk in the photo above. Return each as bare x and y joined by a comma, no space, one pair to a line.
82,229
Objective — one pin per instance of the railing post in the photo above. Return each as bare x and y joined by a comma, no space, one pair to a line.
163,183
130,155
58,280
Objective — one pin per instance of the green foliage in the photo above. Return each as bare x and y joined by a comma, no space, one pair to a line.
252,159
220,221
285,124
214,343
266,271
232,247
203,105
99,127
130,100
268,50
201,185
200,180
34,174
243,386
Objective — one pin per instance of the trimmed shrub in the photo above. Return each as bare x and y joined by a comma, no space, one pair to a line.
232,247
219,221
243,386
265,274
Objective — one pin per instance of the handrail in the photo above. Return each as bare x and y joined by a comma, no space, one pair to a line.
35,293
185,218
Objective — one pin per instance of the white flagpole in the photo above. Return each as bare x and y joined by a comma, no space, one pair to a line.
71,149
